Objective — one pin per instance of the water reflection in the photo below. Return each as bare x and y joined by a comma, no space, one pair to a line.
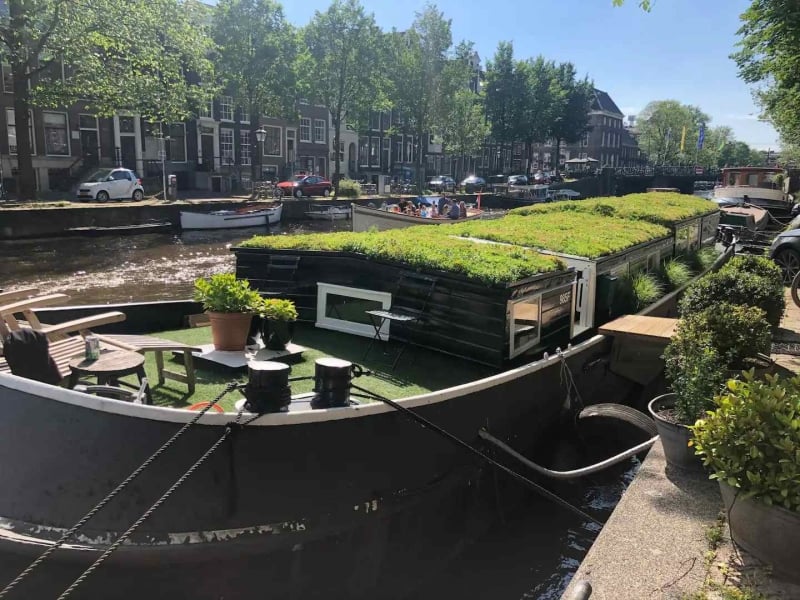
98,270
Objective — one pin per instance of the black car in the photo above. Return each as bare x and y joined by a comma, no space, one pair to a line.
442,183
517,180
785,250
473,184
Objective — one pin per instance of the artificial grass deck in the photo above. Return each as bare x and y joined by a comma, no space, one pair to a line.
419,370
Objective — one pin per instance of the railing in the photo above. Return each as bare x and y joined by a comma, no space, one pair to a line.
674,170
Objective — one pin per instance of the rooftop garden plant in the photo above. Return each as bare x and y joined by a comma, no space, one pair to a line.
676,273
662,208
417,247
578,234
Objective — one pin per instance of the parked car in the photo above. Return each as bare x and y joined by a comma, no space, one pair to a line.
473,184
306,185
442,183
517,180
785,250
111,184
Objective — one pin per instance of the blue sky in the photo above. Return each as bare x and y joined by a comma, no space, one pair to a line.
677,51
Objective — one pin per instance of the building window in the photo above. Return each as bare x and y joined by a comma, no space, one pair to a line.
244,115
177,142
374,152
226,108
398,151
385,118
127,125
56,138
272,142
206,111
226,146
386,148
8,79
244,147
363,151
409,151
305,130
374,120
319,131
12,131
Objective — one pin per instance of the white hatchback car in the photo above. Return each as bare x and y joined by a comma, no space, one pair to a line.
111,184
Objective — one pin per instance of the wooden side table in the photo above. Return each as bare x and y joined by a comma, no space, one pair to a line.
109,368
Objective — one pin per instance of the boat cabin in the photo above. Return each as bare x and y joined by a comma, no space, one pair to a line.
760,186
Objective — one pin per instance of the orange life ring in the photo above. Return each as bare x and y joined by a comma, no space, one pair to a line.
202,405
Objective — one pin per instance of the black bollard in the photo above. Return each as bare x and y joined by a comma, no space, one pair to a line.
267,388
332,377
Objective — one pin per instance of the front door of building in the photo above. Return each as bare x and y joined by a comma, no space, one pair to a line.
128,151
89,147
207,150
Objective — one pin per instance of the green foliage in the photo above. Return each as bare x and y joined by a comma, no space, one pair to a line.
417,248
661,208
661,124
752,439
579,234
226,294
277,309
757,265
464,130
735,287
676,273
737,333
349,188
646,289
702,260
693,369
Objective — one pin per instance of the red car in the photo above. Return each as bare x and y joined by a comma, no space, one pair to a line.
306,185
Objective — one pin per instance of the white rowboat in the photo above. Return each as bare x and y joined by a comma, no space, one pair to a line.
231,219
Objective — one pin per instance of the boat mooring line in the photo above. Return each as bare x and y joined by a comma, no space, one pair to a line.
575,473
100,505
459,442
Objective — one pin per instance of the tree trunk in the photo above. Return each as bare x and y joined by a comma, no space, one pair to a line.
557,162
257,156
26,177
337,137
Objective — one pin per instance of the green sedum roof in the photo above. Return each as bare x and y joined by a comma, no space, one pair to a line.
662,208
421,248
568,232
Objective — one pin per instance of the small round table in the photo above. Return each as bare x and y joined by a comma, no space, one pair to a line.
108,368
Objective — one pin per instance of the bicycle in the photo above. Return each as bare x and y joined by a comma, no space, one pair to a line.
794,289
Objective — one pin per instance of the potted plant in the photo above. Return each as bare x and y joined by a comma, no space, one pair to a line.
277,325
694,369
750,442
230,304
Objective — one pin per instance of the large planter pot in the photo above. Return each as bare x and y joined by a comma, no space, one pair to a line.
229,330
674,438
770,533
276,334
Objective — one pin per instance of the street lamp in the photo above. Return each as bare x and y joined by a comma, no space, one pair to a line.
261,136
164,140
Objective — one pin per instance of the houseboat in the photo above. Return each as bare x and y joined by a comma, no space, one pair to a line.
763,187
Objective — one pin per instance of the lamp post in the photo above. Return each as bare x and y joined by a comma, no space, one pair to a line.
261,135
164,140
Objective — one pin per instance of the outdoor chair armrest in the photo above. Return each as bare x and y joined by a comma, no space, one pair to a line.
84,323
35,302
17,295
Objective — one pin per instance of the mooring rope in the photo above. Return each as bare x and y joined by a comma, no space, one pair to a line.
100,505
459,442
230,428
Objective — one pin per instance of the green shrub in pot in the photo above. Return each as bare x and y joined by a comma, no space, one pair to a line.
738,333
277,309
751,440
223,293
757,265
735,287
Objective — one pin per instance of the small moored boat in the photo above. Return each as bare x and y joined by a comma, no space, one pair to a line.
324,212
760,186
230,219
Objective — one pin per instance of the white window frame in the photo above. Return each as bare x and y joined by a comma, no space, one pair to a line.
226,108
362,329
6,68
11,122
230,157
207,112
305,124
319,127
66,124
512,350
245,150
244,116
280,141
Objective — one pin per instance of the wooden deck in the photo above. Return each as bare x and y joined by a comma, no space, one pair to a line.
650,328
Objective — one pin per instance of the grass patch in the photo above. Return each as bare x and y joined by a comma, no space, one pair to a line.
676,273
646,289
580,234
424,249
428,371
661,208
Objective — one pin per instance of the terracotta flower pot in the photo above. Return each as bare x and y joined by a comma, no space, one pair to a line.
229,330
674,437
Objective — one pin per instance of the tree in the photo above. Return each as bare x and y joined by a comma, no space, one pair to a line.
424,77
150,45
347,57
570,114
537,101
502,100
769,54
257,59
465,128
661,126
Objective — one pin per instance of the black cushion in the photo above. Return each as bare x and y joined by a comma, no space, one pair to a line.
26,352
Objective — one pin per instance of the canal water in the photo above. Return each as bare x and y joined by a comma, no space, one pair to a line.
530,548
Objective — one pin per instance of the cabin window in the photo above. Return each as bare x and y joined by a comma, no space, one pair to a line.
732,178
752,180
342,308
524,325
